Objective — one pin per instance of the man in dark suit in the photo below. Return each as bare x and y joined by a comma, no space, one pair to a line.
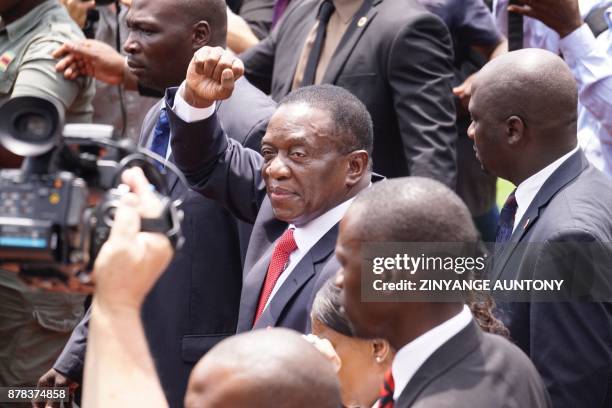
314,160
443,358
395,56
557,224
195,304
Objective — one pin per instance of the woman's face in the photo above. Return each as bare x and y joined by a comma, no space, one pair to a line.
360,374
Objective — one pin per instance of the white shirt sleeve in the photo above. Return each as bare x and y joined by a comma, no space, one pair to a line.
187,112
592,67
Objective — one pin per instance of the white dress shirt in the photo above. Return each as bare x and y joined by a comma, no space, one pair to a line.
590,60
529,188
411,357
307,236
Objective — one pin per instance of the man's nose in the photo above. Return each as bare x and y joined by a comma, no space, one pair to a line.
130,46
278,169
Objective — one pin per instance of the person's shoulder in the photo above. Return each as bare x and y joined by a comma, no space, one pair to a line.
57,25
297,10
508,364
494,373
583,204
395,20
402,12
55,28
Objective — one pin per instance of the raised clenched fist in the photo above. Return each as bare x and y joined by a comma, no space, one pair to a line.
211,76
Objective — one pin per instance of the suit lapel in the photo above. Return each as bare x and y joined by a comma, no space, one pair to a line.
299,276
251,288
451,352
353,33
568,171
148,124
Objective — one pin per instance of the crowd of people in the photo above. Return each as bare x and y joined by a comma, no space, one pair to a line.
306,130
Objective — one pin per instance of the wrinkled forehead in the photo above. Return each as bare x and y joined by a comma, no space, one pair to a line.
151,10
299,121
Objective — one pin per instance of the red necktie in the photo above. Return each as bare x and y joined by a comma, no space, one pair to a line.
385,399
284,246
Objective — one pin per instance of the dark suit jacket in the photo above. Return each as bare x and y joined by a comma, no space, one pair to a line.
195,303
566,234
399,64
475,369
223,170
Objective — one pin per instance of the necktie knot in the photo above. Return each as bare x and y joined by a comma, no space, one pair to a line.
286,243
325,11
386,391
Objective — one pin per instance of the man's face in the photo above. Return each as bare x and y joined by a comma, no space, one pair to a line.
367,319
159,45
304,171
485,132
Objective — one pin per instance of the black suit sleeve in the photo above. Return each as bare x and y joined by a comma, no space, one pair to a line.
218,167
420,76
571,342
259,62
72,359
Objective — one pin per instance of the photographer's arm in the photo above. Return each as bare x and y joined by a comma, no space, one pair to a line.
119,370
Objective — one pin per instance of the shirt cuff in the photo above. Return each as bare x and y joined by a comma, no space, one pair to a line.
578,44
187,112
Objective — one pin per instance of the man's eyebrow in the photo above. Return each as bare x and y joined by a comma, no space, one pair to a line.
293,140
141,20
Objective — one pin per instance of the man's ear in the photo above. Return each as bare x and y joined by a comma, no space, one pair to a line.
515,130
358,164
201,34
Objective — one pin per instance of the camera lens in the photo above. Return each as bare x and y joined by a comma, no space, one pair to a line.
33,127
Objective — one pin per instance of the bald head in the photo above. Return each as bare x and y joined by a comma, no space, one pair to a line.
411,209
211,11
524,111
263,368
534,84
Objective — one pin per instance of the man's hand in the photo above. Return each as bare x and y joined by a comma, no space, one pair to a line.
78,9
563,16
52,379
464,91
95,59
131,261
211,76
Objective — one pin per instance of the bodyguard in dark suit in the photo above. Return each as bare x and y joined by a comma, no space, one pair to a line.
443,358
393,55
314,159
557,224
195,303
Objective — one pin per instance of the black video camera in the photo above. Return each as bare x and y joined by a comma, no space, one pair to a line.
56,212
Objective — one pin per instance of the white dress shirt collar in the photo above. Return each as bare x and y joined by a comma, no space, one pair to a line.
411,357
307,236
528,189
